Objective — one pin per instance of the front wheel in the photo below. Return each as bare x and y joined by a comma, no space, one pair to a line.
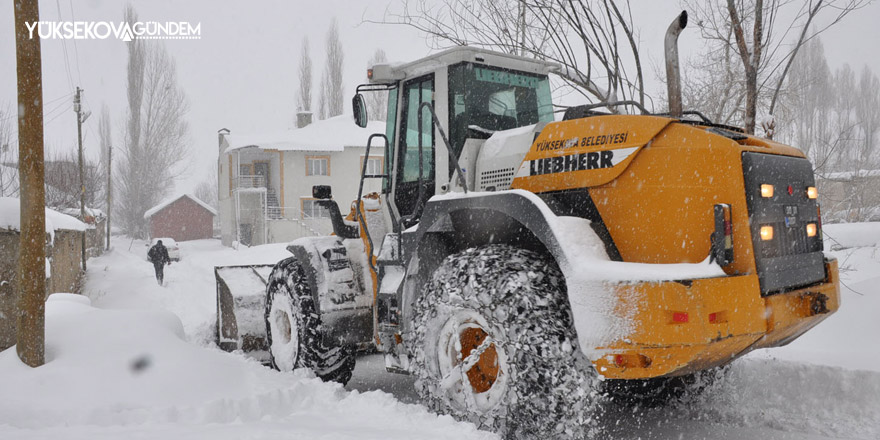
494,343
294,331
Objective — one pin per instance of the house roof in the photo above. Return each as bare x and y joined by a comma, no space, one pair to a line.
150,212
332,134
850,175
10,218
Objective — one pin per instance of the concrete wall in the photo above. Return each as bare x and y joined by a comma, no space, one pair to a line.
64,255
281,231
345,173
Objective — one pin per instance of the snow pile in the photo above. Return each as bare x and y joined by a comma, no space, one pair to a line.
122,278
123,372
851,235
793,397
10,218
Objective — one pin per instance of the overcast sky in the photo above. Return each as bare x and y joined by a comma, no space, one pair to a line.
242,73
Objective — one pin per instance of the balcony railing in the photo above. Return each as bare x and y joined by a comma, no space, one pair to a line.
246,181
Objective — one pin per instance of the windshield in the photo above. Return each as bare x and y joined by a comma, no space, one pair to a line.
494,99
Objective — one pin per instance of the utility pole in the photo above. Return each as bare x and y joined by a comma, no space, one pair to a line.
77,107
31,331
109,192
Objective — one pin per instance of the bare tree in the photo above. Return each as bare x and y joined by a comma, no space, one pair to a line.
834,119
806,106
764,43
594,41
867,109
62,181
105,136
304,97
701,90
8,174
206,191
332,87
377,102
156,133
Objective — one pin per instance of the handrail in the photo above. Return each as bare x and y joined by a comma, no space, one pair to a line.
461,180
361,220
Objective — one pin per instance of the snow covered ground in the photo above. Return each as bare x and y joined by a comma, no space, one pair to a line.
138,360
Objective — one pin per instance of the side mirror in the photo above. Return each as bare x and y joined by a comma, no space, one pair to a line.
322,192
360,110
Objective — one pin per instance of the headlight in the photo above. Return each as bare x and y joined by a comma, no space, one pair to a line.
766,190
766,233
811,229
812,192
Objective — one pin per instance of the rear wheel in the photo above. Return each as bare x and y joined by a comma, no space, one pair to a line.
294,329
494,343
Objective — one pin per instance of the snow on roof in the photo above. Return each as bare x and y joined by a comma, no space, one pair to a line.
10,218
171,200
849,175
94,212
333,134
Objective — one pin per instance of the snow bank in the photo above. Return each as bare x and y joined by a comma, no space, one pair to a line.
121,372
794,397
849,235
122,278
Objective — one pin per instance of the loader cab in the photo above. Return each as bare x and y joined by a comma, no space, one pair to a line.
473,93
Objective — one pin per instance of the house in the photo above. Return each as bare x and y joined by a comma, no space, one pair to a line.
850,196
182,217
63,260
96,222
265,181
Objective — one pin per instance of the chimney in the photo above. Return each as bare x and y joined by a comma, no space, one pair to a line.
221,133
303,118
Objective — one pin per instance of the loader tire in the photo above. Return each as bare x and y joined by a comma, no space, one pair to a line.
294,329
493,343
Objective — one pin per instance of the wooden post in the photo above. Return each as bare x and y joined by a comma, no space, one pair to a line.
32,245
77,107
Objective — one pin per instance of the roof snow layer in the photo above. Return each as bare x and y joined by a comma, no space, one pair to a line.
10,218
332,134
171,200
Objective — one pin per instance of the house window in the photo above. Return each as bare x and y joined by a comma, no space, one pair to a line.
374,165
311,209
317,165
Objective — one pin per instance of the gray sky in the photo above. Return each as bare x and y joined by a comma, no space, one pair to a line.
242,73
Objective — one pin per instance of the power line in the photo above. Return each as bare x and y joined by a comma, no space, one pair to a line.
75,47
64,48
67,107
58,99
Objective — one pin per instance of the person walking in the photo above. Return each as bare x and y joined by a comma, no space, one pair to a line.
158,255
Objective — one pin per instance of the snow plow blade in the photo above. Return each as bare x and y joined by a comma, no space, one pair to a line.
241,302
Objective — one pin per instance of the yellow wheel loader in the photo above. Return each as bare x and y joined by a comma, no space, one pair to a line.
511,259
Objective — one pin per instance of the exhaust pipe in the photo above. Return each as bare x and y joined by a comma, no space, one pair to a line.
673,77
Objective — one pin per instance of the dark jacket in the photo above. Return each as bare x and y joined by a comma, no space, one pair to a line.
158,255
